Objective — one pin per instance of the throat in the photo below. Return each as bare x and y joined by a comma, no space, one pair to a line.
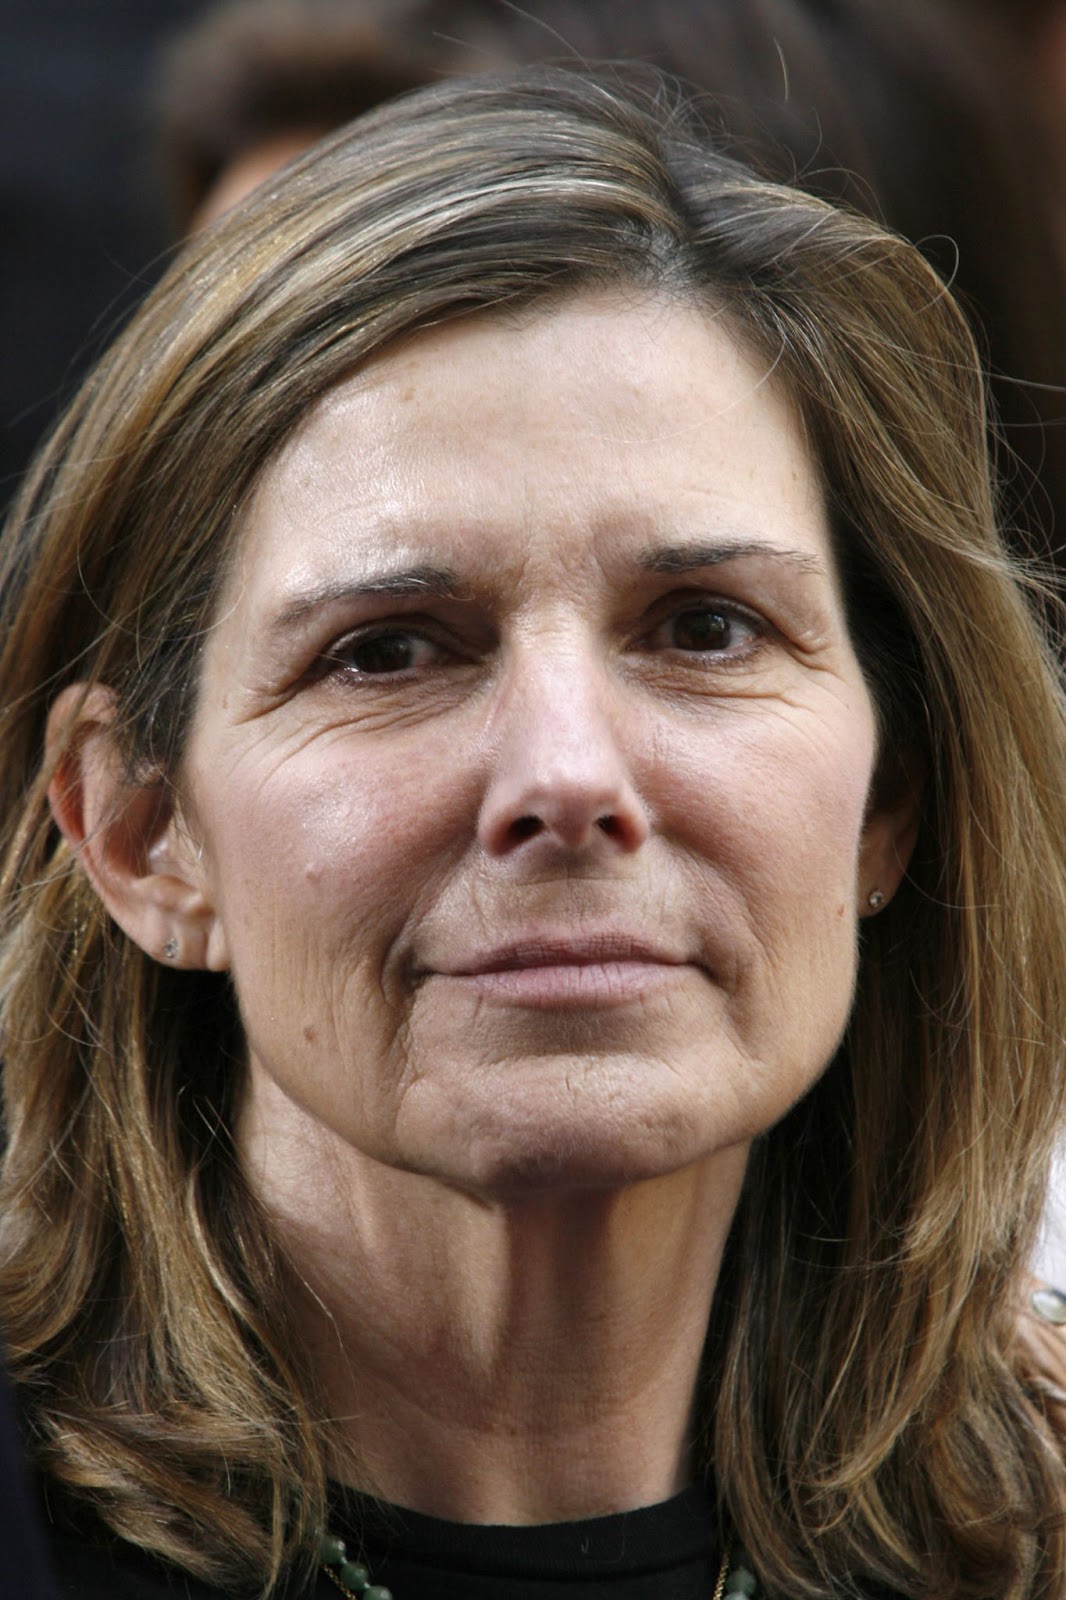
494,1364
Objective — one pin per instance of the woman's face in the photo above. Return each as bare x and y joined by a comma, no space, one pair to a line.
528,784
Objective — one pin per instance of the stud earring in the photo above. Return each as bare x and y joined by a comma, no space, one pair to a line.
170,949
875,899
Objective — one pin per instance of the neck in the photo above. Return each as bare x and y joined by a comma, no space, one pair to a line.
533,1359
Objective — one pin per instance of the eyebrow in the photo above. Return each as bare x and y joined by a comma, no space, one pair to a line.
409,581
676,558
445,584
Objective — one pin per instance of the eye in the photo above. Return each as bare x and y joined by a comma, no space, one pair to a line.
385,651
709,627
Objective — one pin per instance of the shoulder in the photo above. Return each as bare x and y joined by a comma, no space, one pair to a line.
108,1569
98,1566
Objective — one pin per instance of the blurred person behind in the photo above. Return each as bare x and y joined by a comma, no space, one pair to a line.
1038,29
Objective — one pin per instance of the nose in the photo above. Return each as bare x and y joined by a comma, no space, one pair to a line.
561,781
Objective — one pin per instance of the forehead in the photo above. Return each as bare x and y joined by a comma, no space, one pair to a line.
580,428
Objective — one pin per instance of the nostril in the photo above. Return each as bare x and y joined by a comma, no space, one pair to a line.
610,826
525,827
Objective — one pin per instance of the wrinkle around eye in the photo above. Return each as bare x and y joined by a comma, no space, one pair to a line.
340,715
339,697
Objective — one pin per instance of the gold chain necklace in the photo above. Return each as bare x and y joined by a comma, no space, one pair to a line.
352,1578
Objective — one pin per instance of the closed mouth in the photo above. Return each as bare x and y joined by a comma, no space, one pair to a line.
566,950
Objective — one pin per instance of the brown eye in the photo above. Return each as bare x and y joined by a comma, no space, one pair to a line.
389,652
381,654
708,628
702,628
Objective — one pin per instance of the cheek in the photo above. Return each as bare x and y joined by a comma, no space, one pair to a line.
774,823
319,867
807,840
320,870
779,799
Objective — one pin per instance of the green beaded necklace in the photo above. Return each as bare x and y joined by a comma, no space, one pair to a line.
352,1578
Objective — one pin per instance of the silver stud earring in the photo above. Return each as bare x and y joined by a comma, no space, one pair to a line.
875,900
170,949
1049,1305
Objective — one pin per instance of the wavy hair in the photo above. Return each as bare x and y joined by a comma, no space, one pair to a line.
860,1408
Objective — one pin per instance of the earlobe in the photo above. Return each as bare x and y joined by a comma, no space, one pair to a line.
890,833
129,837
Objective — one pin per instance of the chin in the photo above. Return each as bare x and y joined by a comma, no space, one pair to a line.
603,1135
502,1172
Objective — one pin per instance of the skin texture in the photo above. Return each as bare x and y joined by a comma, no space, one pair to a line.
528,803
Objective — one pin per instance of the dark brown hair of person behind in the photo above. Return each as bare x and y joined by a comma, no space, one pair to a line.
860,1413
252,70
916,112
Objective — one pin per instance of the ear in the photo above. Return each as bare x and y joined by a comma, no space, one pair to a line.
890,830
129,837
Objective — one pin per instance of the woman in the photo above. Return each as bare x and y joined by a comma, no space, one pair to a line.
534,892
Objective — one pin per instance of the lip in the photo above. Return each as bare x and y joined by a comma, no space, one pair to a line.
567,971
564,949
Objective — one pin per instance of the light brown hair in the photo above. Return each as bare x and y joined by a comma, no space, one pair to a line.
859,1410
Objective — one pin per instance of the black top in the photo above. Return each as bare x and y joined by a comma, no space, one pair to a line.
24,1562
663,1552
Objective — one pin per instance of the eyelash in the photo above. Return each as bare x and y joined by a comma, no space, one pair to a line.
379,633
731,614
421,634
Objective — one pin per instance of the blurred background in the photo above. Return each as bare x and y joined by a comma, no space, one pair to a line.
82,222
